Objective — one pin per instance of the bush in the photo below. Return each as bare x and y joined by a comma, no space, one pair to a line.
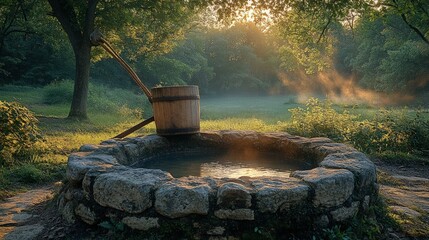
19,134
60,92
388,131
319,119
29,173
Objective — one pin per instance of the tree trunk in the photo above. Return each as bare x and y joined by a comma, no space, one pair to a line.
78,107
78,33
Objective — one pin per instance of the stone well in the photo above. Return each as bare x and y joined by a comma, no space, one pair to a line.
103,187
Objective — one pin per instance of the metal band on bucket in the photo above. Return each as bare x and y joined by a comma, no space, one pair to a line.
174,131
174,98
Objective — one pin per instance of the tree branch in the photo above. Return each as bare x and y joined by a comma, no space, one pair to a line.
415,29
64,12
324,30
88,27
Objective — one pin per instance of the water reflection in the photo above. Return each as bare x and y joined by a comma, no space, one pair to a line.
232,164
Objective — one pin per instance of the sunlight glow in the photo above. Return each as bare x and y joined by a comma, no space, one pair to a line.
248,13
339,89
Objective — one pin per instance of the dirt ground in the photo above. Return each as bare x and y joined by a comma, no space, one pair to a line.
33,215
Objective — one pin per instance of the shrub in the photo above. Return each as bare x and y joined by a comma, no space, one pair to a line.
29,173
390,131
387,131
19,134
60,92
319,119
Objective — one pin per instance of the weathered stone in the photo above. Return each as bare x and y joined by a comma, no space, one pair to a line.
216,231
27,232
109,141
151,143
210,137
273,194
113,149
132,152
73,194
236,214
119,153
330,148
142,223
233,195
270,141
365,202
68,212
322,221
61,202
92,174
357,163
345,213
88,148
80,163
107,184
320,140
332,187
128,190
240,138
182,197
86,214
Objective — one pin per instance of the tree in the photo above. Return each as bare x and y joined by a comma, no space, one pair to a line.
241,59
415,14
152,24
13,16
389,56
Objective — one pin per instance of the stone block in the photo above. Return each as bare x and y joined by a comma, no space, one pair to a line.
332,187
86,214
141,223
236,214
128,190
182,197
345,213
233,195
274,194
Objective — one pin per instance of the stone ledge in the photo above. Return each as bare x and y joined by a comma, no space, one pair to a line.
146,198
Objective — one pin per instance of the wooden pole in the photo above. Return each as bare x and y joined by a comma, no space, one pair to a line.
135,128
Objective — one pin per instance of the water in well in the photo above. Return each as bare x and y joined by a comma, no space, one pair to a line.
231,164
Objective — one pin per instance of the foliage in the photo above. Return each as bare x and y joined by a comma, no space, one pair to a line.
241,59
19,134
386,131
388,58
319,119
335,233
390,131
13,178
30,53
30,173
302,46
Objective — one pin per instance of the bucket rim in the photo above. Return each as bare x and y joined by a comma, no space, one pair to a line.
176,86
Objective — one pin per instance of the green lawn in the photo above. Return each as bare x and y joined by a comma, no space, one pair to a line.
63,136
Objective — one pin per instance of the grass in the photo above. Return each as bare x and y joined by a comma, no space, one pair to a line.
63,136
269,109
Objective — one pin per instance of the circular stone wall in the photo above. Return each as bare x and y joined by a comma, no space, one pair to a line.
103,187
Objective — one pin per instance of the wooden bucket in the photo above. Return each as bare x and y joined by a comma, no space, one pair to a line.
176,109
